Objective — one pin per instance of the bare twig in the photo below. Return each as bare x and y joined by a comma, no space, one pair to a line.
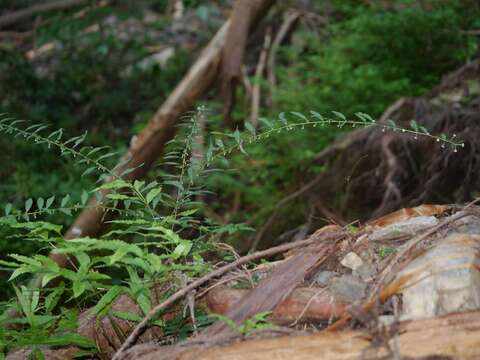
290,20
178,9
142,326
262,60
285,200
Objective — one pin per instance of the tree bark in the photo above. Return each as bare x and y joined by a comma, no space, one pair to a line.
455,336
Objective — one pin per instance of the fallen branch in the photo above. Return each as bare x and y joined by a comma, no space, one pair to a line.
243,19
258,75
11,18
277,286
288,23
142,326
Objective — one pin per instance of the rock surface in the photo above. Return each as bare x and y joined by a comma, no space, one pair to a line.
446,279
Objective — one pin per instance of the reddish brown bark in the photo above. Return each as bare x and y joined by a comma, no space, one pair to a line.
312,304
274,289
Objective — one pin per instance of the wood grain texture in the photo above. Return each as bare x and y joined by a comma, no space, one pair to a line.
453,337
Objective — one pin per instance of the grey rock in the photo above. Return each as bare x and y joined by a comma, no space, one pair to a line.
365,272
444,280
348,288
403,228
386,320
352,261
323,278
467,225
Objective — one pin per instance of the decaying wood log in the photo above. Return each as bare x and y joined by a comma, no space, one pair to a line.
11,18
265,296
149,144
275,288
455,336
271,291
303,304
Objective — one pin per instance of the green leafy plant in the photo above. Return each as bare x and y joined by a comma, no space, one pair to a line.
257,322
148,244
385,251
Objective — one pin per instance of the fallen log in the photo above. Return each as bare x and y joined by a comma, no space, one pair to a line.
455,336
303,304
274,289
264,297
110,331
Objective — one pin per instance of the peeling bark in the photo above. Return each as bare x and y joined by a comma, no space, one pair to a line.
452,337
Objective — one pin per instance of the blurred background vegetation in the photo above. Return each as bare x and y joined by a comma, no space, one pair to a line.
92,76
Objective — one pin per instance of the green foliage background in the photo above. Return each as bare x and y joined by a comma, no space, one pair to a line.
345,56
362,60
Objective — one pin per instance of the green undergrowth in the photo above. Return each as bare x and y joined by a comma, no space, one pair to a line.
365,59
362,60
160,234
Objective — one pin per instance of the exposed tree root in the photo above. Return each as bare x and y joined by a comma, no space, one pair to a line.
372,172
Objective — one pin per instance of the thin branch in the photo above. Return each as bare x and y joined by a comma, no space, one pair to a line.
16,16
287,24
262,60
302,190
142,326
